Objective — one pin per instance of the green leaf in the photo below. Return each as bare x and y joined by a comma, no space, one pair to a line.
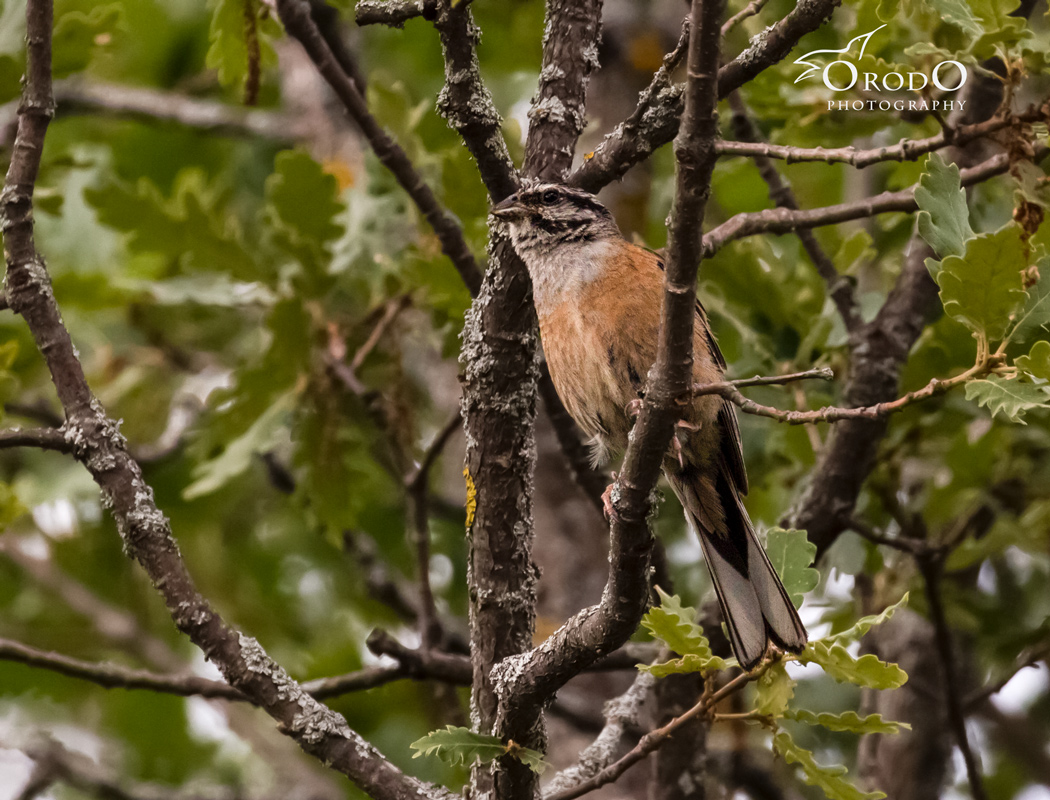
774,690
867,671
791,554
239,454
1036,313
848,721
78,34
957,13
983,287
462,746
11,507
1037,362
672,623
303,206
831,780
686,664
865,624
228,53
1007,396
944,219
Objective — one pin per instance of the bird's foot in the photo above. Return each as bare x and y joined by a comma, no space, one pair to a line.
633,408
607,502
676,443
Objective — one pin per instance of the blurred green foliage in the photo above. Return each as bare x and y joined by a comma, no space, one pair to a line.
215,278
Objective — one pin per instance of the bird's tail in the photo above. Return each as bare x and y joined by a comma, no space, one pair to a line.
755,605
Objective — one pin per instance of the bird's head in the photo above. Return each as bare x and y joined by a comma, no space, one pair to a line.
546,216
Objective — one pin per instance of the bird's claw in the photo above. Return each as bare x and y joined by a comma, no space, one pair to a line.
607,502
633,408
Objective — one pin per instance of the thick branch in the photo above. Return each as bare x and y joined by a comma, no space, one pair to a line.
531,679
465,101
297,20
99,445
556,118
659,112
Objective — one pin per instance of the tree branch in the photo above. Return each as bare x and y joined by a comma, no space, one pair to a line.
394,13
43,438
906,150
556,117
297,20
931,573
100,447
654,739
655,122
527,681
466,104
728,390
784,220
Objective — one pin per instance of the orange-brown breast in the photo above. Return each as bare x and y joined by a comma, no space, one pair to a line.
600,345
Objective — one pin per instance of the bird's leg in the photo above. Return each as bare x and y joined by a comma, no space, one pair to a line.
607,501
676,443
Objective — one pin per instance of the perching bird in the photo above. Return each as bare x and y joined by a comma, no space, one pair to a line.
598,298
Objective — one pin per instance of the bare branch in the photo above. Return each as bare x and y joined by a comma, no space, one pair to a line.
931,569
783,220
297,20
728,390
749,10
839,287
556,118
527,681
654,739
465,101
655,122
44,438
823,373
394,13
100,447
906,150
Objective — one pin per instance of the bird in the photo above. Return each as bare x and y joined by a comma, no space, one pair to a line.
598,299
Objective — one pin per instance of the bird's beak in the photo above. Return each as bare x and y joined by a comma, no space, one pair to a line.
508,209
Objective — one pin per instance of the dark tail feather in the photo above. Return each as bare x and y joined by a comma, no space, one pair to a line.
755,605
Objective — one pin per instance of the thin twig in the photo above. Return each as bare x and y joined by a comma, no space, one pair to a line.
44,438
783,220
749,10
822,373
729,391
419,495
390,312
1029,657
915,547
931,569
654,739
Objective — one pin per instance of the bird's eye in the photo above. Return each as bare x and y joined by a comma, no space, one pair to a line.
549,197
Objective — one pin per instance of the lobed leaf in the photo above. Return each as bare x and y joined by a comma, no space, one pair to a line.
455,745
865,624
982,288
687,664
831,779
774,690
848,721
672,623
791,554
1037,362
867,671
1007,396
944,219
